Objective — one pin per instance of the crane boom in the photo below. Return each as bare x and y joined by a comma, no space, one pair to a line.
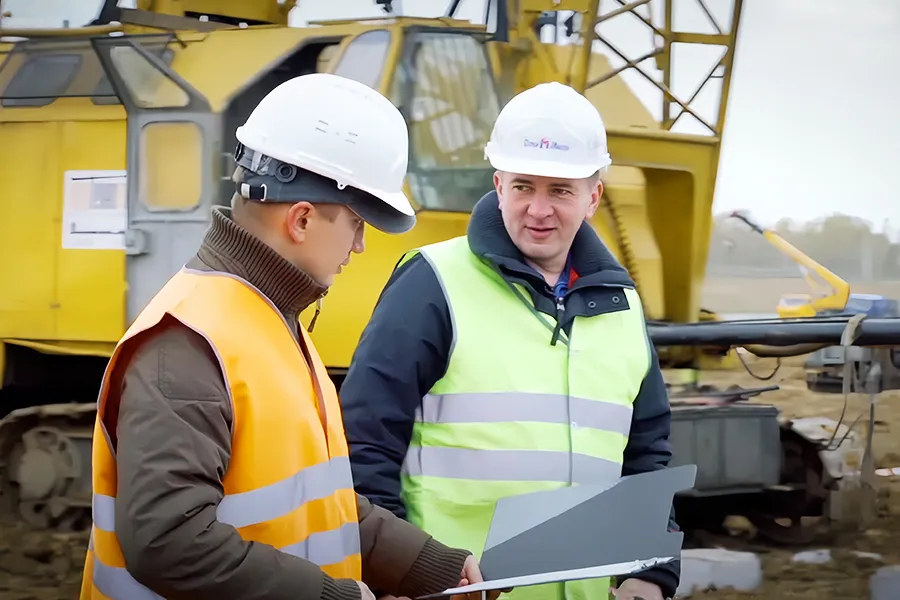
835,299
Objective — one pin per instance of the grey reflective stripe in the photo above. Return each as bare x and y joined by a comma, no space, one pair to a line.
499,407
103,510
283,497
118,584
328,547
322,548
249,508
262,504
509,465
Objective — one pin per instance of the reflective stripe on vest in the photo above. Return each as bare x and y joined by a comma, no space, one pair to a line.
514,414
287,484
517,464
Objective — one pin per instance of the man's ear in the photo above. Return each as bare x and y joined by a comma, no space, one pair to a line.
297,220
498,184
596,195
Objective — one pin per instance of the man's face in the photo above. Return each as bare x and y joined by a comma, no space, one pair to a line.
543,214
330,233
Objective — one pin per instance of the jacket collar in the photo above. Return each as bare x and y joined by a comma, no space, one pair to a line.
591,259
230,248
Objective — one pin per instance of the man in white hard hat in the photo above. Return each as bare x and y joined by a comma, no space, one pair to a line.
220,466
515,358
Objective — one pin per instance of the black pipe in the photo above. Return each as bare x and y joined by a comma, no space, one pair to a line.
775,332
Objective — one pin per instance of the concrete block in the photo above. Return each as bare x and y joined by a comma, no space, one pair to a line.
813,557
868,555
708,568
885,583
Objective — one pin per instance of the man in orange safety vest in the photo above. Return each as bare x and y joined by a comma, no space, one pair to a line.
220,466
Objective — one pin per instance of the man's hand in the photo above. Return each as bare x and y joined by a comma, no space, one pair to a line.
471,573
365,592
636,589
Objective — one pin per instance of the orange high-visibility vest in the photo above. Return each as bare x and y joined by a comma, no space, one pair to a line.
288,482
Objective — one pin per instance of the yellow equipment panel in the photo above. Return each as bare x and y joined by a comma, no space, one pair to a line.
44,296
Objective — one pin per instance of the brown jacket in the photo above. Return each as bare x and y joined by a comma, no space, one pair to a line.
173,437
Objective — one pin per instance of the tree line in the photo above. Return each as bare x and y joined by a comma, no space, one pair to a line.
846,245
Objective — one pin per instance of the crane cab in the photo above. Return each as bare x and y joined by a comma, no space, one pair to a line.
135,208
186,98
117,144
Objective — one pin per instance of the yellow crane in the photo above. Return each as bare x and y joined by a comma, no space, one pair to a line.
831,297
118,139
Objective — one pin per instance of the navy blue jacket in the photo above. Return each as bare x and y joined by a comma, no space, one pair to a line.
405,348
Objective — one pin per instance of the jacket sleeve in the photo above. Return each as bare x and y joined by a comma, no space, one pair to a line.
648,449
402,352
173,441
401,559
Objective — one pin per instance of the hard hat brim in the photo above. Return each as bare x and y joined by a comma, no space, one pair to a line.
385,211
544,168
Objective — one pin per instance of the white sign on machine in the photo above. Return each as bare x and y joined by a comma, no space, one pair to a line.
95,212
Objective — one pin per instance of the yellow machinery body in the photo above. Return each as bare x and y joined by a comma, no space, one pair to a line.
795,306
830,298
117,139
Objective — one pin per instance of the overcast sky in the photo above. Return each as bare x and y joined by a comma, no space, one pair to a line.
814,119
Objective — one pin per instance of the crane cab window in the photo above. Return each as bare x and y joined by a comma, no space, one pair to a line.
104,93
38,72
41,79
446,90
171,156
149,87
364,58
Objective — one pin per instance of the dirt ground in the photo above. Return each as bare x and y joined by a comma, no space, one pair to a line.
847,577
47,566
35,566
39,566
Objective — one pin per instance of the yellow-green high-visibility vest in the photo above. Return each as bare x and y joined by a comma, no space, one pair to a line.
514,414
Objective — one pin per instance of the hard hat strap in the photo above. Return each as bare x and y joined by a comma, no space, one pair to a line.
253,192
268,179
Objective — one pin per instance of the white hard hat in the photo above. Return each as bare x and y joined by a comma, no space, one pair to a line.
326,138
549,130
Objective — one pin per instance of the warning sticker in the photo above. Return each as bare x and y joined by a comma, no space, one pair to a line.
95,212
